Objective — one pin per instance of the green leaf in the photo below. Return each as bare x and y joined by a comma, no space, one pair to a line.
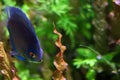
80,62
9,2
24,75
109,56
91,74
86,53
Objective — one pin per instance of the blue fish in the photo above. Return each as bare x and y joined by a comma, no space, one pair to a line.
24,42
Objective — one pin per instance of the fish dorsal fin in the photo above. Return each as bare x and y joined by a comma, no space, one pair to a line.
12,12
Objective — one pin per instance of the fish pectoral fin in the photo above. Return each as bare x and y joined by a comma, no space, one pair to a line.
20,57
13,53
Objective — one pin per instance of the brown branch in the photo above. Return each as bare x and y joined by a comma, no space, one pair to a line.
59,62
6,65
100,24
115,31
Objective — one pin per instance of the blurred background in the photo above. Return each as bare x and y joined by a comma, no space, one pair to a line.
91,32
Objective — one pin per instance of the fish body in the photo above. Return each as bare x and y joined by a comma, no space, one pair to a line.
24,42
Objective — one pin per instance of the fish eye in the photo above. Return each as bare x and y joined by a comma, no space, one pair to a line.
32,54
